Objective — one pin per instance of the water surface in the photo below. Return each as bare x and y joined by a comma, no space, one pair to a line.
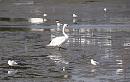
108,46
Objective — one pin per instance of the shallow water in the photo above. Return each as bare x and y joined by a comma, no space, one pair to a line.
95,39
108,46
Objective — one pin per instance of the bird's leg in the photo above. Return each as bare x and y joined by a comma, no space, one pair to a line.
59,48
62,48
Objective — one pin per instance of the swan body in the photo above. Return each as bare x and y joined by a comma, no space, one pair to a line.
58,41
12,63
93,62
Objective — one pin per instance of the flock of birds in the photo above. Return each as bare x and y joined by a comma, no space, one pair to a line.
44,19
57,41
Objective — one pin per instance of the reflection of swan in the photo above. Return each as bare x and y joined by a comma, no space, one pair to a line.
93,62
58,59
12,63
58,41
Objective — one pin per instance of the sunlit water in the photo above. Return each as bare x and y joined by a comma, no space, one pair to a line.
108,46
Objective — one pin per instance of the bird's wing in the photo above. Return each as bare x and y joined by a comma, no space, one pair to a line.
57,41
15,63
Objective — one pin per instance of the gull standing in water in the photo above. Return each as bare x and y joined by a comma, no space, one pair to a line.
12,71
105,10
106,15
75,18
58,24
74,15
45,17
93,62
12,63
58,41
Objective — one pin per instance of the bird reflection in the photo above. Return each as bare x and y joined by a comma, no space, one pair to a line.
12,71
93,70
119,71
58,59
119,62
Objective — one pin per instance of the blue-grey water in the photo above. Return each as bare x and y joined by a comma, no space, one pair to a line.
108,46
94,34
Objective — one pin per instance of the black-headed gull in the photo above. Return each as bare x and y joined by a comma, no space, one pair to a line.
12,63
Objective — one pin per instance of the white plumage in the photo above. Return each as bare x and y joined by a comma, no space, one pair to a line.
44,14
74,15
105,9
58,24
36,20
12,63
57,41
93,62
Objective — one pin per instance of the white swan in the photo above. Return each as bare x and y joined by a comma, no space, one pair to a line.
58,41
12,63
93,62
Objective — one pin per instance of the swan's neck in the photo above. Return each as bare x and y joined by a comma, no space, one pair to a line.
64,32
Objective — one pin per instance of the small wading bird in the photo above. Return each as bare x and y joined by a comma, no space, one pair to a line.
74,15
12,63
93,62
45,17
58,24
105,10
36,20
58,41
75,18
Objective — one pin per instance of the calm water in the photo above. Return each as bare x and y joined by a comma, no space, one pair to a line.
109,46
